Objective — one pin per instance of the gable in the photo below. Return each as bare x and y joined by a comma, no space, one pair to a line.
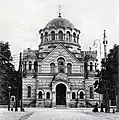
61,51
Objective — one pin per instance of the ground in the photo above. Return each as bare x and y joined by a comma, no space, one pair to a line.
56,114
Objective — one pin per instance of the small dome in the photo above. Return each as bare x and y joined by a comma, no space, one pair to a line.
60,22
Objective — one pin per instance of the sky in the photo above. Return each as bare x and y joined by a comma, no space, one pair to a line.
20,21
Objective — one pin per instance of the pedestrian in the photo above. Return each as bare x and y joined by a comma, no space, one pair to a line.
95,109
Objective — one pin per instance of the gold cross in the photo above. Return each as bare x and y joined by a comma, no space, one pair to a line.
60,8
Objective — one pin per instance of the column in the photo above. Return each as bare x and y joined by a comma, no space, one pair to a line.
68,98
53,99
27,65
32,65
64,36
49,37
56,37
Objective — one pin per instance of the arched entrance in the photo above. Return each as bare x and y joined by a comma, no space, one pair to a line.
60,94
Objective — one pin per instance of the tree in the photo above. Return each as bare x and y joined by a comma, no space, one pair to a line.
108,77
7,73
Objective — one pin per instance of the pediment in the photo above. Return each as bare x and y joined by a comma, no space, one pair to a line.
60,51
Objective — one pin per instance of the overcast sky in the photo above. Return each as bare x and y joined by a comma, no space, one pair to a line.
20,20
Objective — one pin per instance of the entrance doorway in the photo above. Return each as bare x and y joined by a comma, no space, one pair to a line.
60,94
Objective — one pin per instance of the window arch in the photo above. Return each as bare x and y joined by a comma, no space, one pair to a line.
68,36
40,95
95,66
60,35
52,68
61,65
74,37
35,66
69,68
91,93
41,37
91,66
30,65
81,95
46,36
77,38
29,92
52,35
13,98
48,95
73,95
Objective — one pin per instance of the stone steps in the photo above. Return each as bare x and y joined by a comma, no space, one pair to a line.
61,106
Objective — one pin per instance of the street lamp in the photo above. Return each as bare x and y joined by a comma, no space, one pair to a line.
9,90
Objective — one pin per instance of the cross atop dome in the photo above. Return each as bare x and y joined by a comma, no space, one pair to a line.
60,8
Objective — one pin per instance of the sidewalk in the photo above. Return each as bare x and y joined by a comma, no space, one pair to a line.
12,115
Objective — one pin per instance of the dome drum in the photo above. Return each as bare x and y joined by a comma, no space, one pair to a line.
60,36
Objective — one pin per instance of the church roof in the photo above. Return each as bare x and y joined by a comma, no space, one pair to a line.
59,23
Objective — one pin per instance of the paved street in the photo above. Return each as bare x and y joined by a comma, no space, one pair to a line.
61,114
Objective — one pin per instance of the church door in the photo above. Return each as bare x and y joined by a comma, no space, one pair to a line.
60,94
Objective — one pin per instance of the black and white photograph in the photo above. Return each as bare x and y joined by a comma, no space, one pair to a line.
59,59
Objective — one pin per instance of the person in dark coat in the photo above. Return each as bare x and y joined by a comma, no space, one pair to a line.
95,109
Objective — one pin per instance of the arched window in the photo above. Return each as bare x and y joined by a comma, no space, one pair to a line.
61,65
53,35
40,95
30,65
81,95
41,37
68,36
25,65
91,66
60,35
69,68
91,93
48,95
29,92
77,38
73,95
52,68
46,36
35,66
95,66
74,37
13,98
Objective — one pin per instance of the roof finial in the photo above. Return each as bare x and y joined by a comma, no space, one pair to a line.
59,6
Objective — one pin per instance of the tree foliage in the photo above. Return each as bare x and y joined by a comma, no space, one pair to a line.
7,72
106,84
108,74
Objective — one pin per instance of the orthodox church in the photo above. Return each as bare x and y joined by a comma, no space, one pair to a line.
59,73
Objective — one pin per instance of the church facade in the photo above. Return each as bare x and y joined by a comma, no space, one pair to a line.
59,72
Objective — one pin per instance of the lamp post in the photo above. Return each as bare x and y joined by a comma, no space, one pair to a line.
105,45
9,90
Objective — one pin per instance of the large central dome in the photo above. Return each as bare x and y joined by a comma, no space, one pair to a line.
60,23
59,30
